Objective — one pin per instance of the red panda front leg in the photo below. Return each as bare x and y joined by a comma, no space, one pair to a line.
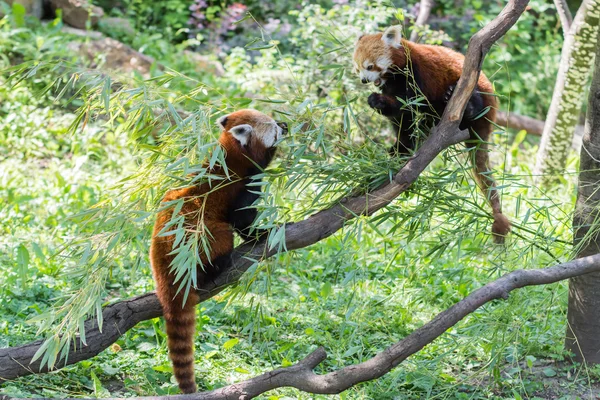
473,109
387,106
391,108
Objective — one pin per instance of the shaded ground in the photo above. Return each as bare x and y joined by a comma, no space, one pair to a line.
548,380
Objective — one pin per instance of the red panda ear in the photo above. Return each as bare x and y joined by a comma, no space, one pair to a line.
241,133
392,36
222,121
359,36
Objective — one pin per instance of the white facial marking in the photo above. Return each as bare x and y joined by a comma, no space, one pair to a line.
370,76
384,62
242,133
268,133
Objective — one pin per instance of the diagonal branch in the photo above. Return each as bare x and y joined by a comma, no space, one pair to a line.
16,361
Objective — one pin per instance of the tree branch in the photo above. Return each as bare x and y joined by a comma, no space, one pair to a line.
424,10
566,18
520,122
16,361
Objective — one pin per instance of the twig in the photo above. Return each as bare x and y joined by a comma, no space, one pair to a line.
520,122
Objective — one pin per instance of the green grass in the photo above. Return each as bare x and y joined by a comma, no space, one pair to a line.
355,293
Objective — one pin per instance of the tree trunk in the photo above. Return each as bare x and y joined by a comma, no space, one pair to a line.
583,330
576,60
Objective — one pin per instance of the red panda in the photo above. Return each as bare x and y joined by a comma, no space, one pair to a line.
248,138
403,70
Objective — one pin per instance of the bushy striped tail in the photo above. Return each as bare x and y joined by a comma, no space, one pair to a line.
181,326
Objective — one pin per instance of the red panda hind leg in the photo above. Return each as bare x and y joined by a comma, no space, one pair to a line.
483,176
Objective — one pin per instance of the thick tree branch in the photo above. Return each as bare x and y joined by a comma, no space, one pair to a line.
533,126
118,317
16,361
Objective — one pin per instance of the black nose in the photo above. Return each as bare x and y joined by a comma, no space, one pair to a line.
283,126
364,80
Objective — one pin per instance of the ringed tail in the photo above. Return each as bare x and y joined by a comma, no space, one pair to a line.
181,326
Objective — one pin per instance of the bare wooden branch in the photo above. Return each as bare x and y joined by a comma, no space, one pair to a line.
566,18
533,126
118,317
301,375
424,10
520,122
16,361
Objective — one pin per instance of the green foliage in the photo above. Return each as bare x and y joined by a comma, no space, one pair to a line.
165,18
522,79
85,159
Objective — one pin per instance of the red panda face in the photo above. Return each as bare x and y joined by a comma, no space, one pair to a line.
373,55
253,129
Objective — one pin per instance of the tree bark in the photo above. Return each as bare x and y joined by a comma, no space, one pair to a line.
575,63
520,122
583,314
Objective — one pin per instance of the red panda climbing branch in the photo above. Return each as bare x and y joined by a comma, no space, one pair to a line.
404,70
248,138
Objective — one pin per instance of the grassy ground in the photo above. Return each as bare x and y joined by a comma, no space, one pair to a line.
355,293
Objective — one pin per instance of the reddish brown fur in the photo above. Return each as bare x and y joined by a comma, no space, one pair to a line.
180,318
440,68
443,65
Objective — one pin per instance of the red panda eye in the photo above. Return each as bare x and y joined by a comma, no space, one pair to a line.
369,68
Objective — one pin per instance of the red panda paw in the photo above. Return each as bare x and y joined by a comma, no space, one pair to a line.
448,93
500,228
378,101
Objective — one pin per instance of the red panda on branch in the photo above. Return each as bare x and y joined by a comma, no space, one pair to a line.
404,70
248,138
